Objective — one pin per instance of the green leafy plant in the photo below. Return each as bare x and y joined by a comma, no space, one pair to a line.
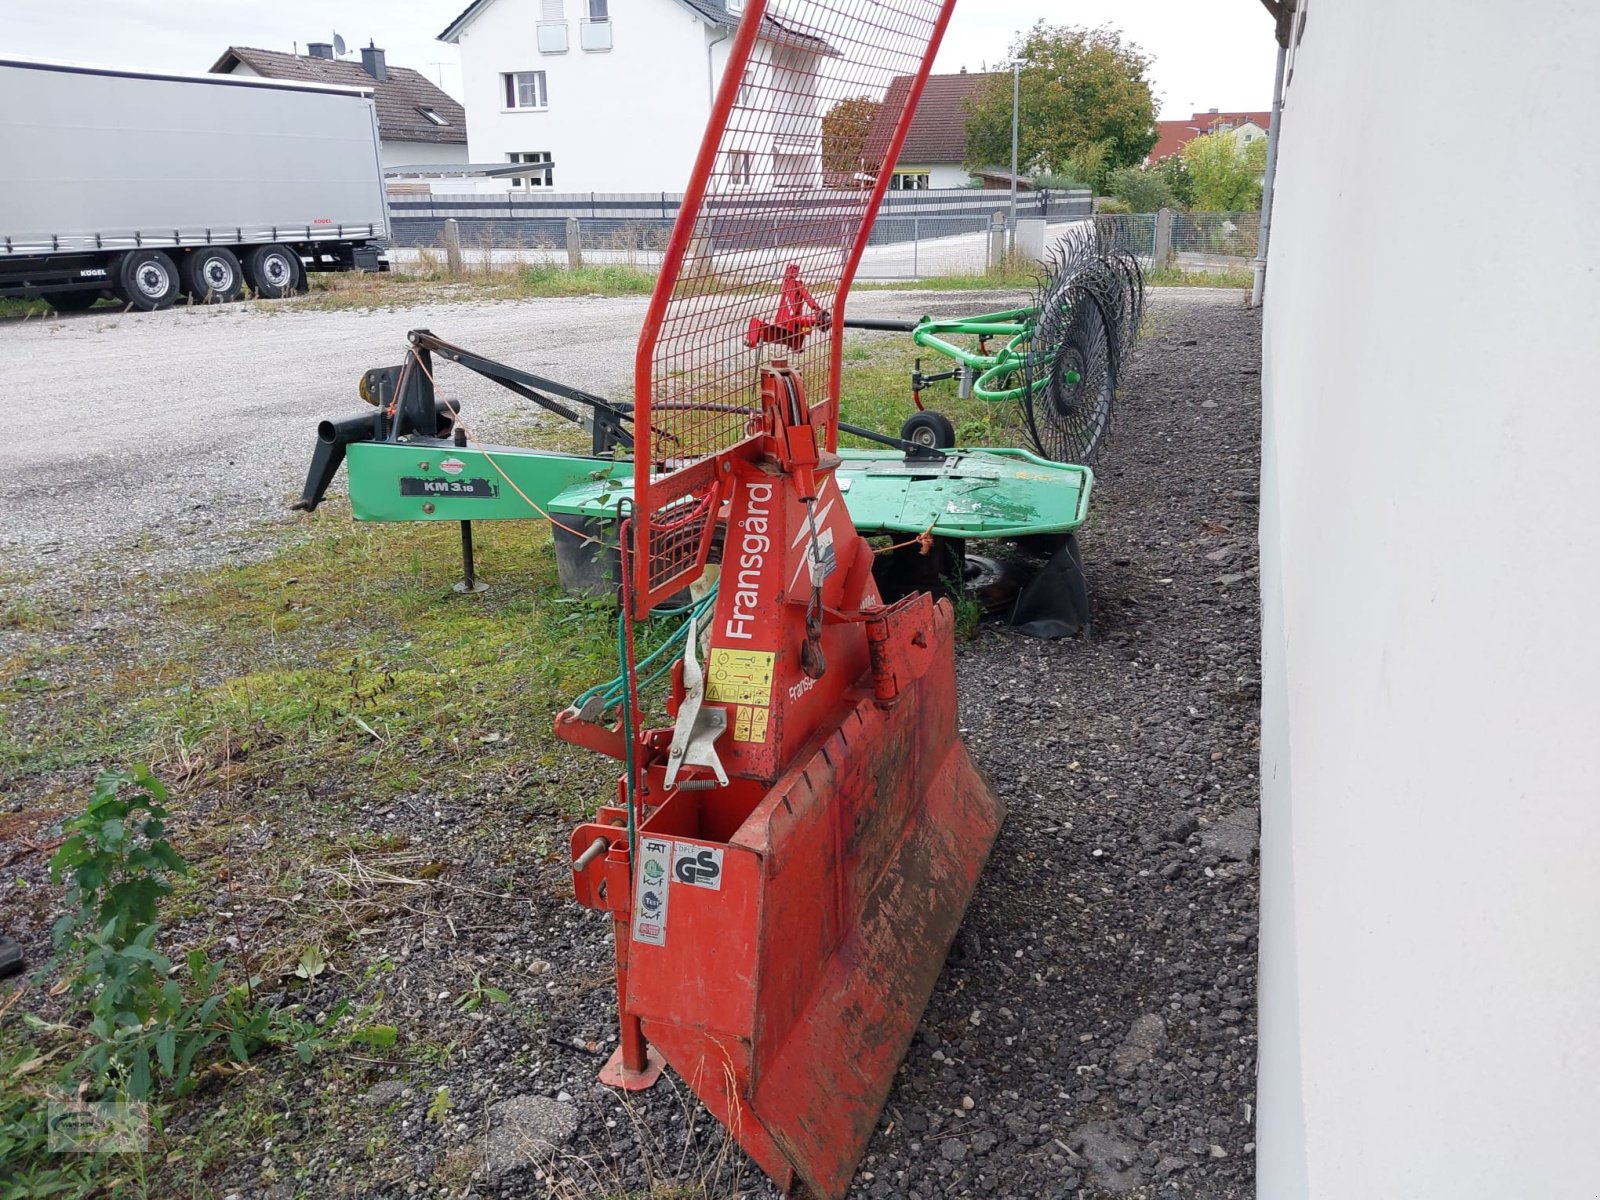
1143,191
473,998
439,1107
1226,173
147,1021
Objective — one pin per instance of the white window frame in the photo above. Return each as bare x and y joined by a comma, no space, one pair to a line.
511,91
898,183
531,183
740,172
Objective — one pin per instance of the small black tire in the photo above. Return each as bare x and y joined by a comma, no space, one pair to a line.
147,280
930,429
74,301
273,271
212,275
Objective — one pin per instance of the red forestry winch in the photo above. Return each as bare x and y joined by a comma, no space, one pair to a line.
789,860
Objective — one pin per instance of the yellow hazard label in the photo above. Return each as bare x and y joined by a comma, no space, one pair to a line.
740,677
750,724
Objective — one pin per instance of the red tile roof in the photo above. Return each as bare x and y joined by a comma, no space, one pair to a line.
939,130
1175,135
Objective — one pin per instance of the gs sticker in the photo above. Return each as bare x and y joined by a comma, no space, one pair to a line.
698,866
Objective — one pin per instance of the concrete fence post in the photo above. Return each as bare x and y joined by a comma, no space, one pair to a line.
1161,255
452,247
997,242
574,244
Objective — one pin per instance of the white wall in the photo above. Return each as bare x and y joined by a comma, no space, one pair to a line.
412,154
625,120
1430,976
940,175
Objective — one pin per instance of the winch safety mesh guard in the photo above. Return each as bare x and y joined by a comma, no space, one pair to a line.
772,229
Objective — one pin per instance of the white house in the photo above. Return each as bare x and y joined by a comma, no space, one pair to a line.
1430,808
618,101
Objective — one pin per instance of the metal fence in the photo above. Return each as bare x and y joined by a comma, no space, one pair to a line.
635,227
1191,240
908,242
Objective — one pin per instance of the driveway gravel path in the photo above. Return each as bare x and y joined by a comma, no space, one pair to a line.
1093,1034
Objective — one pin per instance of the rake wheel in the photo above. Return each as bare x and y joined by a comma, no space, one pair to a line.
1072,376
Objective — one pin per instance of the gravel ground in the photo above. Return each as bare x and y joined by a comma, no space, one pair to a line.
201,421
1093,1033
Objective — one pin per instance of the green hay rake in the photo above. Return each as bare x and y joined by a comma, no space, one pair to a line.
1060,357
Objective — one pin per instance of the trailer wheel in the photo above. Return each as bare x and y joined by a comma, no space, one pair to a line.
147,280
212,275
74,301
930,429
273,271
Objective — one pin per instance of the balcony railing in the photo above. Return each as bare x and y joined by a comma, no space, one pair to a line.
553,37
595,33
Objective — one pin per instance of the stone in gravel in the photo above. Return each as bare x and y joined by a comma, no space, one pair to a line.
951,1150
1110,1157
1226,554
386,1092
524,1131
1180,829
1146,1036
1234,836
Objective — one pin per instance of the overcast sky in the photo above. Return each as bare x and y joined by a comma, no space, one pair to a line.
1208,53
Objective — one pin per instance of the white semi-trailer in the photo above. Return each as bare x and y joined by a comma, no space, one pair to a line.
151,188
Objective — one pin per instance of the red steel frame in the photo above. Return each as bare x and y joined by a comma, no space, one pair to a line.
664,563
782,908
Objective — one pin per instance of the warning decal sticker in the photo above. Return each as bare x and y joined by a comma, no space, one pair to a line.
651,892
740,677
750,724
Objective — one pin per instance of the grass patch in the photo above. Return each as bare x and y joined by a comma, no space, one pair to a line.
1178,277
432,284
1015,276
345,657
877,395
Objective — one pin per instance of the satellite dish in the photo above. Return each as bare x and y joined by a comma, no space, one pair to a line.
338,44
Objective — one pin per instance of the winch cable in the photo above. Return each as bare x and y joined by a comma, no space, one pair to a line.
655,666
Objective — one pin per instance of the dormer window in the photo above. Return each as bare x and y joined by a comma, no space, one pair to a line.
429,115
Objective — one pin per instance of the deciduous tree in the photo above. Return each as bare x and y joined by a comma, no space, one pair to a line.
1226,173
1086,104
846,129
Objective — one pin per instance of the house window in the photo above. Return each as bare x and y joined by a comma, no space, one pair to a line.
538,180
597,26
430,116
526,89
740,168
552,29
911,181
747,88
795,171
